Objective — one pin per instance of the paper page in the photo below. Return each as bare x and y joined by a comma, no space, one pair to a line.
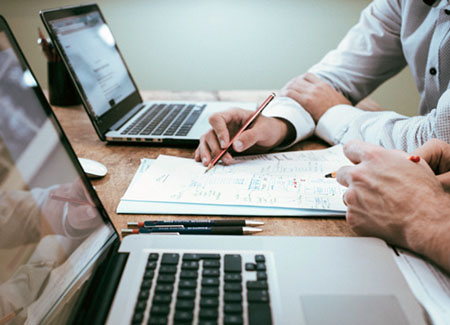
274,180
430,285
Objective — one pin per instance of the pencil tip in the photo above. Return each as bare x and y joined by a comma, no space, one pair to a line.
250,230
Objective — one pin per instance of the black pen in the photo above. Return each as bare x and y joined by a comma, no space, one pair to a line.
196,230
195,223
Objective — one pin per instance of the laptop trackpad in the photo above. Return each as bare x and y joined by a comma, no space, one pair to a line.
352,309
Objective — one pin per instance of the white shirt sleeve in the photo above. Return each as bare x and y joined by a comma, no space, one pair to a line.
342,123
288,109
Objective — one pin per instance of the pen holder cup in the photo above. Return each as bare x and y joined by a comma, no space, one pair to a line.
62,92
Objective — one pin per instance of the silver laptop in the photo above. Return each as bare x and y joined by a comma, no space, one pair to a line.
62,262
108,91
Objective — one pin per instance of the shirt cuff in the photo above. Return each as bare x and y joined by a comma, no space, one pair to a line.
288,109
335,122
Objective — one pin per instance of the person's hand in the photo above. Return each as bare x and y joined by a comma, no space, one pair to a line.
437,154
313,94
264,134
75,217
395,199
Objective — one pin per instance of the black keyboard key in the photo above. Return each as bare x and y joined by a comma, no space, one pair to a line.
211,264
153,256
209,302
141,305
151,265
187,284
233,308
257,296
214,273
250,266
233,263
149,274
260,266
182,316
261,276
189,265
186,294
166,278
158,320
233,277
260,259
208,313
162,299
210,292
185,304
259,314
171,259
233,319
210,282
257,285
160,310
233,286
188,274
210,256
146,284
164,288
138,317
232,297
143,295
169,269
191,257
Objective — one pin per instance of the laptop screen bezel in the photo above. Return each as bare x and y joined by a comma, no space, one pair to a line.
102,123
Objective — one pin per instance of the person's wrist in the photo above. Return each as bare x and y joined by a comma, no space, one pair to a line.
286,132
428,232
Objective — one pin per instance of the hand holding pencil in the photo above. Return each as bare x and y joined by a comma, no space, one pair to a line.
263,134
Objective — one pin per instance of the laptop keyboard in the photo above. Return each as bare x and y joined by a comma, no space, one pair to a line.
203,289
166,120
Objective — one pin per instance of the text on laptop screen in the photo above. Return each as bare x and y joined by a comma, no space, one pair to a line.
91,50
50,227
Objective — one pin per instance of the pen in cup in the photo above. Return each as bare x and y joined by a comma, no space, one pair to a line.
242,129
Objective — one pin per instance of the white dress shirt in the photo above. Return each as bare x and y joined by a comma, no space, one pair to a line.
389,35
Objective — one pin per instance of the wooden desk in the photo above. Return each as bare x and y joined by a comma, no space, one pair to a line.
122,162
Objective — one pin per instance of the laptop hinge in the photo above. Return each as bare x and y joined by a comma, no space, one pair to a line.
116,126
100,292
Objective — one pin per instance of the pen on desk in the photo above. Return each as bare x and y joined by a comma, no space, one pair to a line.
242,129
196,230
331,175
196,223
68,199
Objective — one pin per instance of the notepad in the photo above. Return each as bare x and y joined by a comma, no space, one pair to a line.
278,184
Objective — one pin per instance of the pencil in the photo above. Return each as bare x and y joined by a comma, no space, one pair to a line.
242,129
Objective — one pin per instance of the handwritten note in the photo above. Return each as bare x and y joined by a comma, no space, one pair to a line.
287,180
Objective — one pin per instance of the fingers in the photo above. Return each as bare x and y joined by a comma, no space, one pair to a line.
444,179
437,154
343,176
357,151
208,148
219,123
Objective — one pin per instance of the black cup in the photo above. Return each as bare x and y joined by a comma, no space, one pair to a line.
62,92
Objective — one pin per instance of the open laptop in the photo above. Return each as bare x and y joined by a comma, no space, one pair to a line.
108,91
62,262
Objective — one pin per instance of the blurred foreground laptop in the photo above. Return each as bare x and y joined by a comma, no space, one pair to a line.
109,93
61,261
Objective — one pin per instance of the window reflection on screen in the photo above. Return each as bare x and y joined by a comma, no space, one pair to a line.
49,227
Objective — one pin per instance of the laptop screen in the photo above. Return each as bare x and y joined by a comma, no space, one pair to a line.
90,49
52,226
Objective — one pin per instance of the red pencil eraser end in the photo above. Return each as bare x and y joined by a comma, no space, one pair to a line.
140,224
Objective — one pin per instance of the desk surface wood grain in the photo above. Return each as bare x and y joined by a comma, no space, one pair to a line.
122,162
